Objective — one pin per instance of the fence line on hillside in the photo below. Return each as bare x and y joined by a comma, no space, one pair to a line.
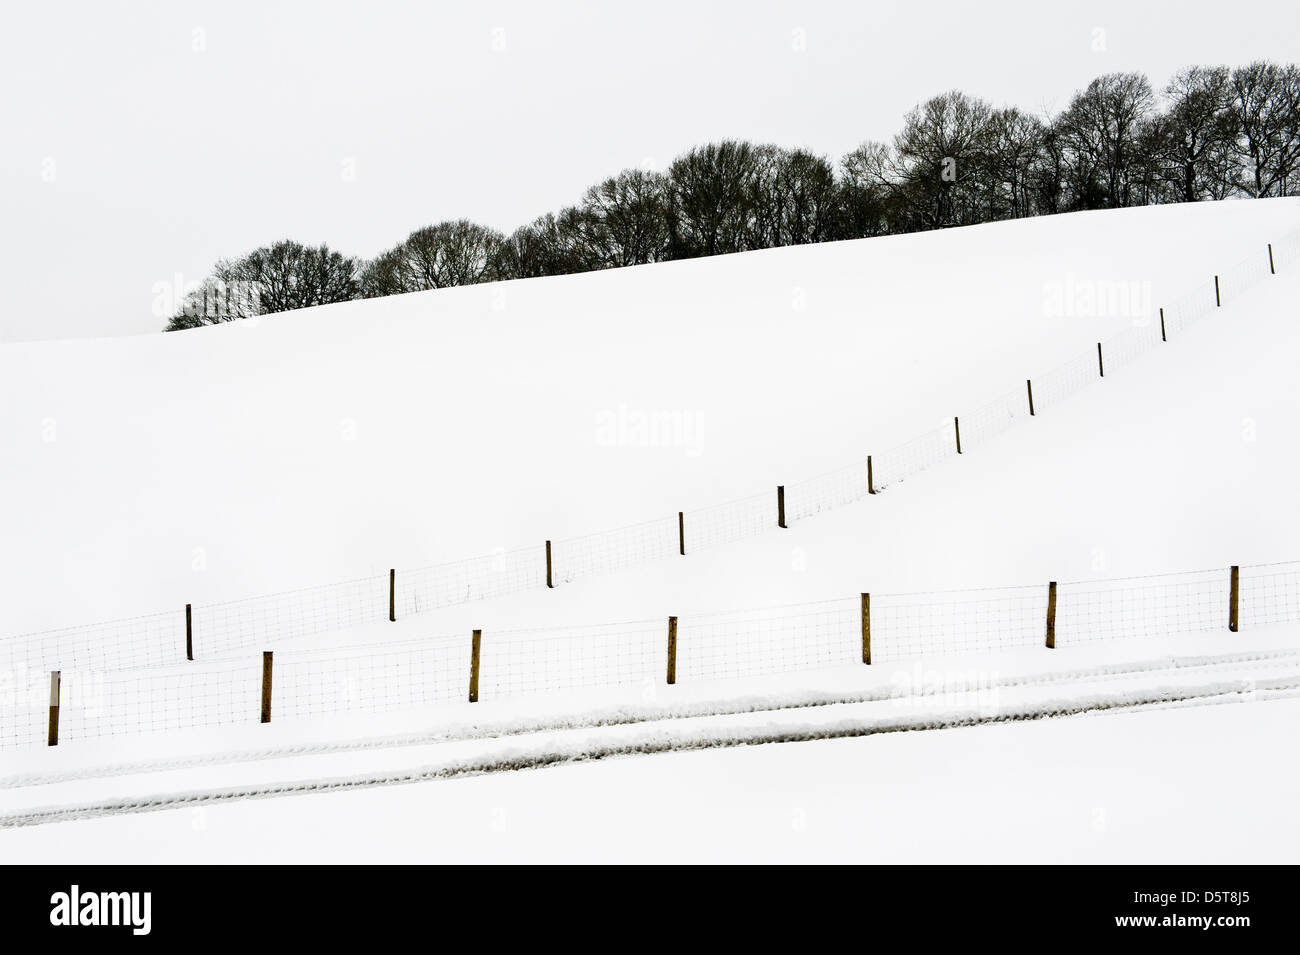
861,629
213,630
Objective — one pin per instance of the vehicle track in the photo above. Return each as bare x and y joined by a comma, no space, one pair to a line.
661,741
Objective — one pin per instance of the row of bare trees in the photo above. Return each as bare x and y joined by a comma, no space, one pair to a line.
1211,133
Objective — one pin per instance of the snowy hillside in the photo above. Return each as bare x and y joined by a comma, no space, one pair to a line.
336,443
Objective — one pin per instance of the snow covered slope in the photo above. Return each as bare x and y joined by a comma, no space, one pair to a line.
152,472
144,473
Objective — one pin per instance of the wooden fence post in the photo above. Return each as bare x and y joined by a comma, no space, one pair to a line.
392,595
54,707
1162,326
956,428
871,478
780,505
672,650
866,629
1101,369
266,686
1217,301
1051,615
681,533
475,643
1030,386
1234,596
189,633
1271,270
548,565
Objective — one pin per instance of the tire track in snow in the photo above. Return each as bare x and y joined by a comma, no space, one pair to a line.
660,741
629,715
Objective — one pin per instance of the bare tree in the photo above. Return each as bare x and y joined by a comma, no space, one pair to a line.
1100,133
710,195
1268,107
220,298
546,246
1012,144
794,198
865,192
940,161
445,255
1195,133
624,220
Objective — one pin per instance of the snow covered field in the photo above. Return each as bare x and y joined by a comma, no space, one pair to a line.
222,463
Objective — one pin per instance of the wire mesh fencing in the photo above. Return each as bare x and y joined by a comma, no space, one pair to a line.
609,551
156,700
827,491
769,640
273,619
911,457
733,521
693,648
1270,594
609,655
1063,381
148,640
368,679
24,707
479,578
905,626
994,418
1155,606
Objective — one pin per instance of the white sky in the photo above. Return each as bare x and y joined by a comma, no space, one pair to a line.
145,140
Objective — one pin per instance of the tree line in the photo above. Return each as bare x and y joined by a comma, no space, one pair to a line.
1210,133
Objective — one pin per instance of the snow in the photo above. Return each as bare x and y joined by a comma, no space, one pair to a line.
333,444
338,442
1128,787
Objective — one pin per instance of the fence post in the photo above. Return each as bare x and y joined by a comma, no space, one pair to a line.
475,642
871,478
956,428
780,505
1234,596
672,650
1162,326
392,595
1217,301
548,565
866,629
189,633
266,686
1030,386
1051,615
1101,369
1271,270
681,533
54,707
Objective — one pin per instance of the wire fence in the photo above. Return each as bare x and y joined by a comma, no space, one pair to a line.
703,647
531,662
733,521
479,578
269,620
1154,606
610,551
